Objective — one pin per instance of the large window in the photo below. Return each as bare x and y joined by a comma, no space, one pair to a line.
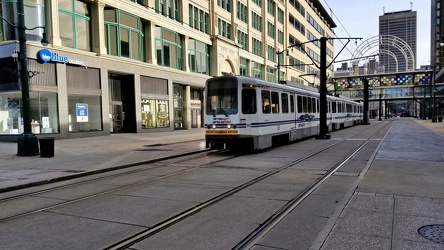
35,16
242,12
224,4
243,67
198,56
257,46
256,21
169,8
155,113
124,36
84,113
74,19
256,70
271,7
270,74
168,48
198,19
271,55
242,39
43,110
224,28
270,30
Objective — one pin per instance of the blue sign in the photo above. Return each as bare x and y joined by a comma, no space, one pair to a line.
82,112
45,55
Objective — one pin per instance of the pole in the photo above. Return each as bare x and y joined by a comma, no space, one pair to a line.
380,105
365,120
279,66
27,141
323,127
434,118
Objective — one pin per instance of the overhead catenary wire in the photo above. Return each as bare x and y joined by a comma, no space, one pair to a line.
337,18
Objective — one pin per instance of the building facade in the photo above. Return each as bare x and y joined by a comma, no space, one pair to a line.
437,37
399,25
140,66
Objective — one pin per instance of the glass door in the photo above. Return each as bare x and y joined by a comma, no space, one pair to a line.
116,117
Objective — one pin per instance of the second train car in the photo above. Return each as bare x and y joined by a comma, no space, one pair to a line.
252,114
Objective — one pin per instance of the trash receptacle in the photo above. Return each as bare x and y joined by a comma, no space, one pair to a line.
46,146
439,118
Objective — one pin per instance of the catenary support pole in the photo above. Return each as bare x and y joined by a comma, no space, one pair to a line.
27,142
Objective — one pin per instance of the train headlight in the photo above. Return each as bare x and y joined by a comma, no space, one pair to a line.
228,125
213,126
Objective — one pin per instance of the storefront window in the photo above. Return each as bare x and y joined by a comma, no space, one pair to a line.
43,110
85,113
155,113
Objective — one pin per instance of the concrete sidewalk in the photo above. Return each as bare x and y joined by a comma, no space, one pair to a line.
80,156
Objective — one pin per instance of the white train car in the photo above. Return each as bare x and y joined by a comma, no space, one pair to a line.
252,114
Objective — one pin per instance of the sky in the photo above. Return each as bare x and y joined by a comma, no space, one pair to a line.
360,19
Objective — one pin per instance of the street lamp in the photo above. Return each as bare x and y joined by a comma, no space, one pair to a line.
27,142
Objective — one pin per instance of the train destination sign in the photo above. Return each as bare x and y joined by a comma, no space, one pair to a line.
222,131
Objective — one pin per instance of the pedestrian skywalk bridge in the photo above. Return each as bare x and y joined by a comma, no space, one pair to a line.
388,86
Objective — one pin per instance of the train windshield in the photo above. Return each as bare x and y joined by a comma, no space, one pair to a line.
221,96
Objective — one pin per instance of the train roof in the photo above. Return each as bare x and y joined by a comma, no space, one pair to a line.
293,86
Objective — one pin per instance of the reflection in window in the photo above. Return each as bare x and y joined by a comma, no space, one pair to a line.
34,16
84,113
124,34
155,113
75,17
168,48
43,110
198,56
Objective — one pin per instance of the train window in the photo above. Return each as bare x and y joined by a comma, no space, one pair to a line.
292,103
284,98
299,104
249,101
318,106
274,102
310,105
222,97
333,107
304,105
349,108
328,107
266,108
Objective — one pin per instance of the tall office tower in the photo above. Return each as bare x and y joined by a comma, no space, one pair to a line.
398,33
437,35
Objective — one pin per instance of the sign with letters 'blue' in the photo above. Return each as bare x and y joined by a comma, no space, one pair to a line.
45,56
82,112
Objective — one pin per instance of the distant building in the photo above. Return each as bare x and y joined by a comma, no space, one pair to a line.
437,37
401,24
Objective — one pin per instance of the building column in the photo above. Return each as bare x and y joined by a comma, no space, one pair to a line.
62,90
186,63
98,28
106,113
187,107
150,44
52,22
138,101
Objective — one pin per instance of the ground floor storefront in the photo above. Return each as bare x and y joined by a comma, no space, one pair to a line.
79,94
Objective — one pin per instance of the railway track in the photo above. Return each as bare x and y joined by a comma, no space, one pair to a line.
267,225
198,162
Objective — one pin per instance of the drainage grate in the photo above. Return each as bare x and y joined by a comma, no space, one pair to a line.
434,233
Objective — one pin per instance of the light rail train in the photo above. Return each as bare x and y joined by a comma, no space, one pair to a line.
252,114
